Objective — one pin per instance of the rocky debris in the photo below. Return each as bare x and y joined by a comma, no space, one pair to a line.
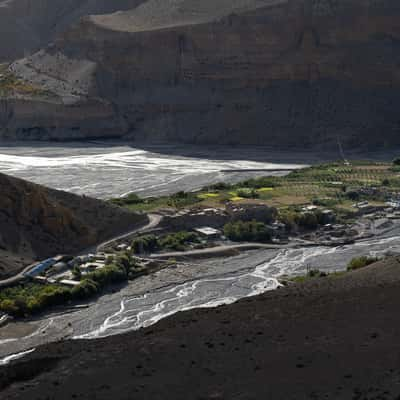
64,77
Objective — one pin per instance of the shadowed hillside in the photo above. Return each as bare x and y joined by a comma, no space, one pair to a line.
36,222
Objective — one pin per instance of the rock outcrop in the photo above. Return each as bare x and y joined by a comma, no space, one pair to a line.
274,72
36,222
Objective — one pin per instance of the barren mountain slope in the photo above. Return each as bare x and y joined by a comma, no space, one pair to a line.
26,25
333,338
161,14
36,222
283,73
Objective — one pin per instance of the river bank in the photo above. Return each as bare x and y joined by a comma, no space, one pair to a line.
204,283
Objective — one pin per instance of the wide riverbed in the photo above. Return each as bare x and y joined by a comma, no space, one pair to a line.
108,169
199,284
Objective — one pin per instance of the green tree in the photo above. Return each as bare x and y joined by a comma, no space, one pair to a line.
76,273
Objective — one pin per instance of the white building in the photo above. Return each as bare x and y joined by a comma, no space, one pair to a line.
208,232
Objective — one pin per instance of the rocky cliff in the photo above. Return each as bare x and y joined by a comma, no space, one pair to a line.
275,72
36,222
27,25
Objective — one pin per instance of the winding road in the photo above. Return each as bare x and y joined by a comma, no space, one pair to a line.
154,220
16,278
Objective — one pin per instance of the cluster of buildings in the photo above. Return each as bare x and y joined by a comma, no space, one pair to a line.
59,269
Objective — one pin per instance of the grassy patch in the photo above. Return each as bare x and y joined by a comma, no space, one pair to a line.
205,196
11,85
265,189
236,198
361,262
311,274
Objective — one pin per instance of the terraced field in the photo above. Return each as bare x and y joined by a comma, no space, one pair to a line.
330,185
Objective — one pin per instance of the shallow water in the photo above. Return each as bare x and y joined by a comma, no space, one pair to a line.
111,170
209,283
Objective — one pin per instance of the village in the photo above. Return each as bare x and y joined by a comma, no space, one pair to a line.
325,205
205,236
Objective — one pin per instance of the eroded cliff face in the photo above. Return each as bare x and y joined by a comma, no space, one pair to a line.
38,119
283,73
27,25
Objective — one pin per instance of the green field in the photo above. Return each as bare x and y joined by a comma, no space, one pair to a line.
328,185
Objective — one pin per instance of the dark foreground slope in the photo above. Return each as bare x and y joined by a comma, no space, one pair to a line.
330,338
275,72
36,222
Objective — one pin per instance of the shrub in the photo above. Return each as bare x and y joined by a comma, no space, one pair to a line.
145,244
109,274
258,183
85,289
361,262
353,195
218,186
247,193
76,273
307,220
9,306
396,161
288,218
182,199
316,273
325,202
178,241
130,199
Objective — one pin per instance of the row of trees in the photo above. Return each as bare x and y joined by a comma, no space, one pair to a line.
304,220
174,241
251,231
